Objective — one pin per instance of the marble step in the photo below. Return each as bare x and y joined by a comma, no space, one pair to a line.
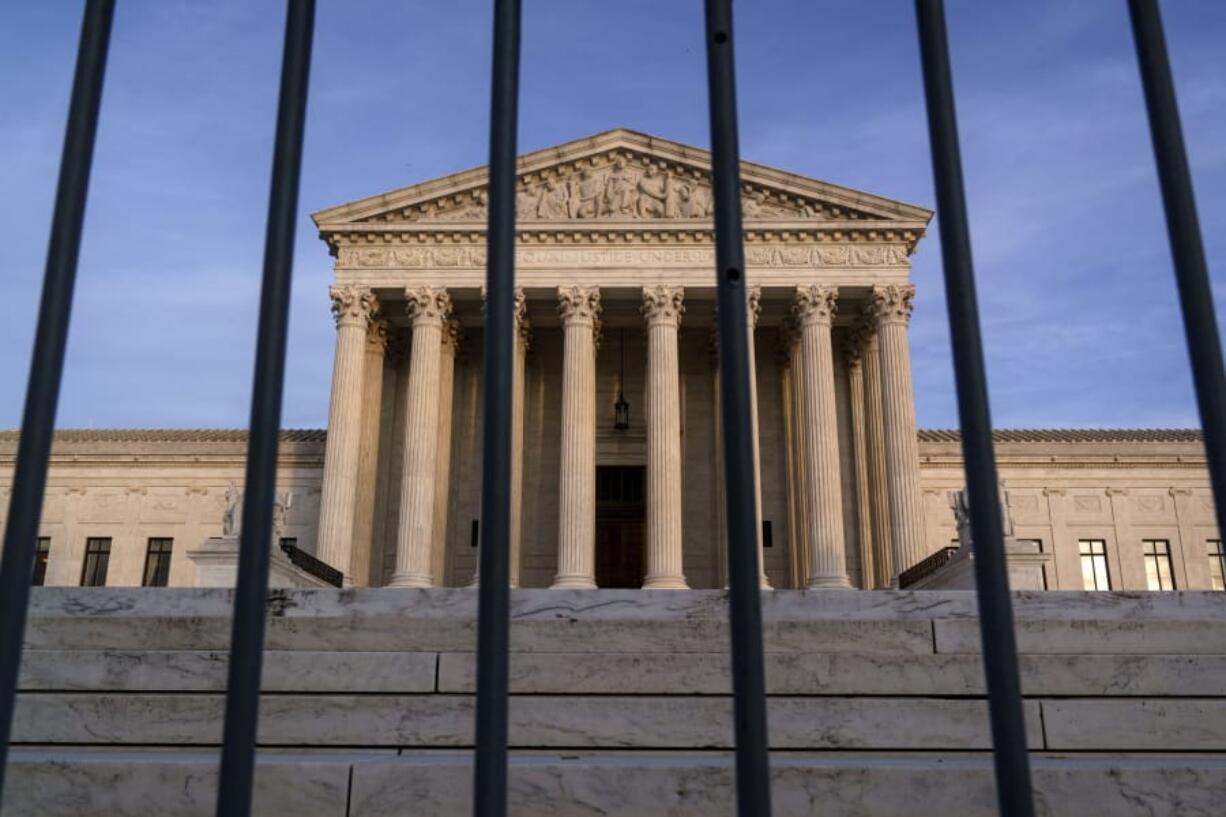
844,673
75,783
609,621
536,721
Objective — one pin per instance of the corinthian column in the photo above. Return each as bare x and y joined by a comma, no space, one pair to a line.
368,452
523,333
662,307
442,463
815,307
892,307
428,307
580,310
353,308
874,443
753,302
854,350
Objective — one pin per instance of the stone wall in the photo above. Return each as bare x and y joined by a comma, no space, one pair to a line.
1061,486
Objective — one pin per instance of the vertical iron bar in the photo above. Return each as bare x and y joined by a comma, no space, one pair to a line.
247,638
47,360
991,579
745,609
493,624
1187,250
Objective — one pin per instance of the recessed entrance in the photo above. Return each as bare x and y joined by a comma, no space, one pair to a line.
620,518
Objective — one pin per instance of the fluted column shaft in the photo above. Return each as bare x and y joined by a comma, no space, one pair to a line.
368,453
874,443
450,340
892,306
804,508
859,448
522,338
353,308
753,302
517,439
815,307
428,307
662,308
580,310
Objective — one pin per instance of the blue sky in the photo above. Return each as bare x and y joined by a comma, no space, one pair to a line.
1079,309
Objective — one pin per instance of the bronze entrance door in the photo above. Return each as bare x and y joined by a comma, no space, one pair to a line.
620,515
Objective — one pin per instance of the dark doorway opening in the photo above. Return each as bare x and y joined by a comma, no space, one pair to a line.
621,511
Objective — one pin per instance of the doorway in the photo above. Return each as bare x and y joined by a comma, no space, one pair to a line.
620,518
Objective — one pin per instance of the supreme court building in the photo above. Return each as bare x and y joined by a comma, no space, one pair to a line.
617,462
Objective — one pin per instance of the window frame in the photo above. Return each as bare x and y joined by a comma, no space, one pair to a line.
161,570
1161,550
42,554
97,555
1095,564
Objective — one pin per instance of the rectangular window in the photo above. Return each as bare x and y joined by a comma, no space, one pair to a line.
1094,574
768,535
1217,564
97,555
1158,573
157,562
40,561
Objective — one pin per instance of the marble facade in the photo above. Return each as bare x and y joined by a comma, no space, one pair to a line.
616,298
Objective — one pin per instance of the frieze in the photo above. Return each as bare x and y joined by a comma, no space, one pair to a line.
762,256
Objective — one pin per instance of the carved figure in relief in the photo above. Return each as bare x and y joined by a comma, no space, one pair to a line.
280,507
229,517
585,200
619,191
655,195
525,204
554,201
693,201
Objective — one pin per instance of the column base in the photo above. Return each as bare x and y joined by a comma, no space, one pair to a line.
573,583
665,583
411,580
830,583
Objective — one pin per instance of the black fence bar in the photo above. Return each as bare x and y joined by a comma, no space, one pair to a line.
1187,250
247,638
47,363
745,610
493,616
991,579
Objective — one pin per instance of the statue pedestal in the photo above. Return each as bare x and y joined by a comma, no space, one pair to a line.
1024,561
217,566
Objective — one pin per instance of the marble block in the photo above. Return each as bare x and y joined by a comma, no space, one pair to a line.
216,563
446,721
664,785
1136,636
1171,724
74,783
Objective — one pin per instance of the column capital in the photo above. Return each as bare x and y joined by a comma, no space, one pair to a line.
579,305
815,303
663,305
892,303
427,306
377,336
352,305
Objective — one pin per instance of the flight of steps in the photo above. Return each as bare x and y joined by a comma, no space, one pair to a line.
620,703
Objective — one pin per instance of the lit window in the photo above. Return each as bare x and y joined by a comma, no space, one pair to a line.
97,555
1158,574
1094,574
1217,564
157,562
40,561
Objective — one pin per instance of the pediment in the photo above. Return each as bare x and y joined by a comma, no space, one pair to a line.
622,177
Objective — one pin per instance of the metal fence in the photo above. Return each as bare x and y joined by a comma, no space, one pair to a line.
490,766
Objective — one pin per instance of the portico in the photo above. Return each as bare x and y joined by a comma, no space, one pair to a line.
615,297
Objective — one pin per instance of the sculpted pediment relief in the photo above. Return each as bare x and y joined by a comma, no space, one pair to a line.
617,186
621,176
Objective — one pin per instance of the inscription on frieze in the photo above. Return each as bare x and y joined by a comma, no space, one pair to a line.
764,256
